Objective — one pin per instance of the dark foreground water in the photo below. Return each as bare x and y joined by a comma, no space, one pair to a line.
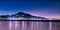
24,25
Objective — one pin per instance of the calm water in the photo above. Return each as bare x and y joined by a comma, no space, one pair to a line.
24,25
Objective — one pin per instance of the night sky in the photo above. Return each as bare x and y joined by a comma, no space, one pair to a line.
42,8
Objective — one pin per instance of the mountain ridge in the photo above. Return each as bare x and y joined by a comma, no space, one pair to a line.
23,15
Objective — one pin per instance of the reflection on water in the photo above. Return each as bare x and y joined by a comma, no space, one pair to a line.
24,25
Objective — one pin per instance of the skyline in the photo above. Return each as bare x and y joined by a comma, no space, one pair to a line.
37,8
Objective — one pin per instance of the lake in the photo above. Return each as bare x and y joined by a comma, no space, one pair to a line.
29,25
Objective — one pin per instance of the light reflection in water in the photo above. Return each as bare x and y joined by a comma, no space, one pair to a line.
16,23
10,25
23,25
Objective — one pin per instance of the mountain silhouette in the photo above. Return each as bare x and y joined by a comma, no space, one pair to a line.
23,15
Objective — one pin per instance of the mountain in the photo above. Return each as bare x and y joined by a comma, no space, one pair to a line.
4,16
23,15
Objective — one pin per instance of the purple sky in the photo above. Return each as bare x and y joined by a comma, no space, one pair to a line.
34,7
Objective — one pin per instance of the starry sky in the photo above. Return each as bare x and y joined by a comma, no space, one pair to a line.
44,8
